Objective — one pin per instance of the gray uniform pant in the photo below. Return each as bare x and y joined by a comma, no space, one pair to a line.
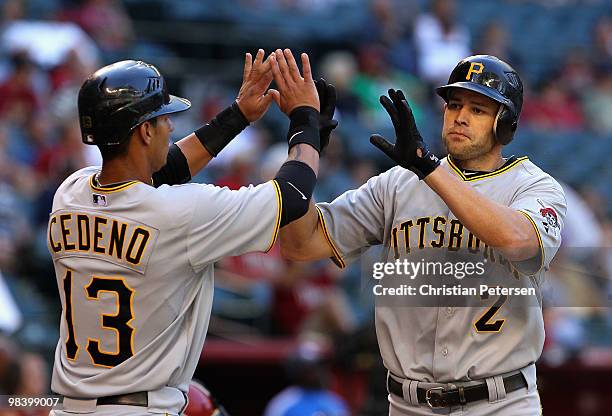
167,401
522,402
113,410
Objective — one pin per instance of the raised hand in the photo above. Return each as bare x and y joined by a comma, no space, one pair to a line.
293,90
254,98
409,151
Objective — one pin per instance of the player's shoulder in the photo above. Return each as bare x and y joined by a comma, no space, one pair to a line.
74,181
394,176
191,190
530,171
79,175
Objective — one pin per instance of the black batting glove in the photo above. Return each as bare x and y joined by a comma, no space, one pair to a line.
408,139
327,101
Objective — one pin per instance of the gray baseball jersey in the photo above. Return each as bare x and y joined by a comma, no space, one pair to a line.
134,267
445,343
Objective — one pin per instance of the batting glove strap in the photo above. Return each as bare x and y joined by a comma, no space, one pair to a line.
424,165
222,129
304,127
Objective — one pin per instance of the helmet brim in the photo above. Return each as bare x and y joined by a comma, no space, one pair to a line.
175,105
443,91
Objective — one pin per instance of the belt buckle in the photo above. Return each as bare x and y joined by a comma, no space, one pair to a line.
429,394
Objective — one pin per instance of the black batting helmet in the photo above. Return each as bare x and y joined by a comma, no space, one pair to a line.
119,97
492,77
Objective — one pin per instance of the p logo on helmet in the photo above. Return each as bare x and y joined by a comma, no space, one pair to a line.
473,69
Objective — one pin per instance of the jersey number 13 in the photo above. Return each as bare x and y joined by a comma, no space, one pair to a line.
118,322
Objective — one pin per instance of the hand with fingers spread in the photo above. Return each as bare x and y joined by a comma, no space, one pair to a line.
295,90
297,97
252,102
254,99
327,99
409,150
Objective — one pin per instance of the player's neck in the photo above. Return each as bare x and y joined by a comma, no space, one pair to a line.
485,163
124,169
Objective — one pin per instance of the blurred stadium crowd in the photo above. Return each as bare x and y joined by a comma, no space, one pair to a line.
562,49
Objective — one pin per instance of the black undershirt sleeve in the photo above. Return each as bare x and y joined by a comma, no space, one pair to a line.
176,170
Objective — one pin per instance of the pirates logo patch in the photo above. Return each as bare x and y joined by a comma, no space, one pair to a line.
551,222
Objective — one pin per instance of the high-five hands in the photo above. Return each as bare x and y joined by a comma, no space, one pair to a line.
294,90
254,98
409,150
297,97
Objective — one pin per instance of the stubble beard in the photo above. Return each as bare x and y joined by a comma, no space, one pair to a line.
470,150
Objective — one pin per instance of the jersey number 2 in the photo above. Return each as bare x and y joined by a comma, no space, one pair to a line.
118,322
484,324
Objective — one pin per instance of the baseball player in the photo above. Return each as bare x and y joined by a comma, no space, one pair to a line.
134,255
476,360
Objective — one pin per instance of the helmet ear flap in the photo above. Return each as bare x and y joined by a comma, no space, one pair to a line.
505,125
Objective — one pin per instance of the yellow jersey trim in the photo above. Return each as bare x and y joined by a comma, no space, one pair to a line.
337,258
535,227
279,203
479,176
110,189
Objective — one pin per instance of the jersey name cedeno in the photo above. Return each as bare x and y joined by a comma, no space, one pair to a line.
77,232
440,232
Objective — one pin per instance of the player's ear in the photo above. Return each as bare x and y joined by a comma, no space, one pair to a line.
146,132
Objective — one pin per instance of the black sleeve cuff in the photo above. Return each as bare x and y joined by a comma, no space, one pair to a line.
176,170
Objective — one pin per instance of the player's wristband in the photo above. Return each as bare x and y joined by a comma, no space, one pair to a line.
304,127
222,129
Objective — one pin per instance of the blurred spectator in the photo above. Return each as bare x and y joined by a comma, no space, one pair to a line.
576,72
71,72
392,26
243,287
581,229
375,77
597,103
602,52
10,315
552,107
440,40
48,42
334,176
494,39
9,367
392,20
66,155
308,301
18,98
22,374
308,368
12,10
340,68
96,17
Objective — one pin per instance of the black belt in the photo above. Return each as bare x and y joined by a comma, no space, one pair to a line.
437,397
139,398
